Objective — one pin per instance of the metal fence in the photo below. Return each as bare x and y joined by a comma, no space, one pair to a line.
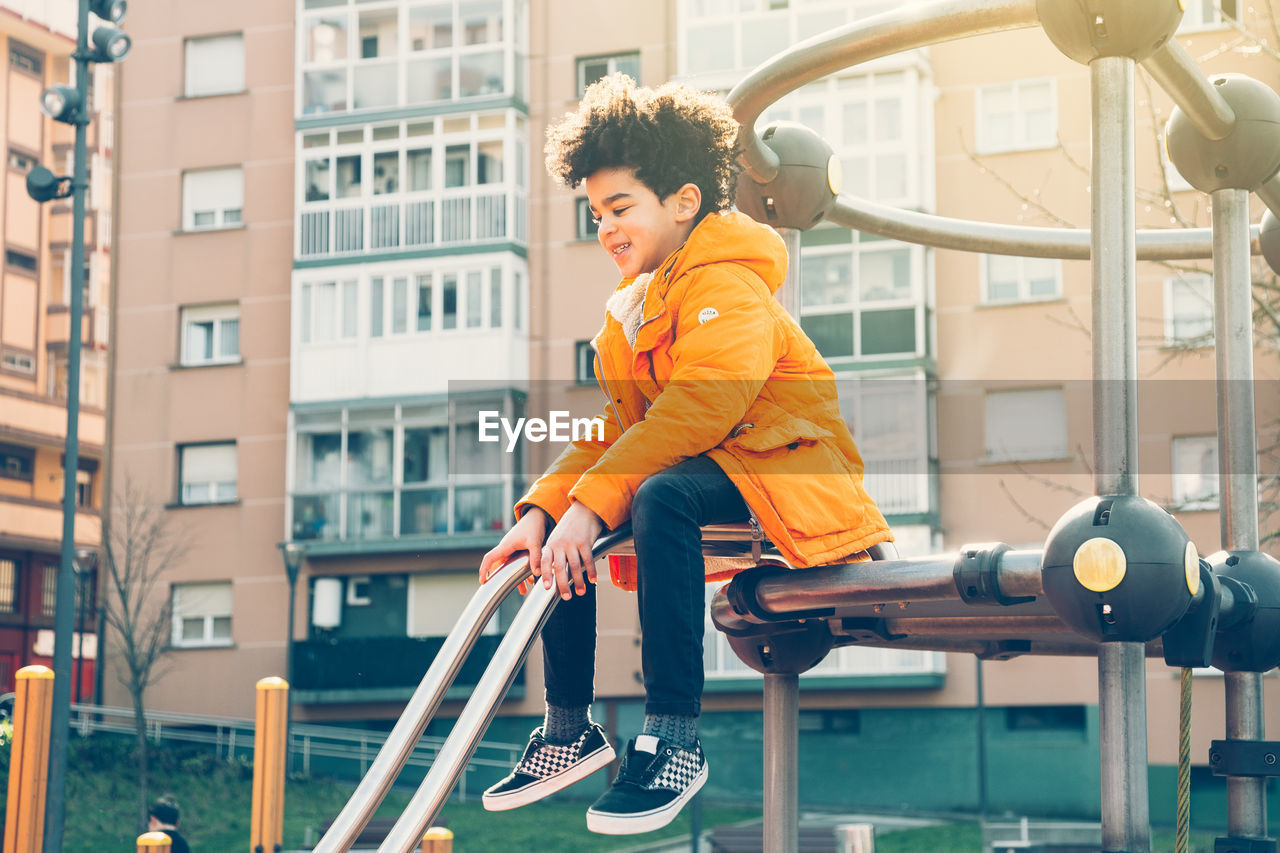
312,748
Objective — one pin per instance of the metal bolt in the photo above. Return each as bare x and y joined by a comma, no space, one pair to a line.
1269,758
1215,757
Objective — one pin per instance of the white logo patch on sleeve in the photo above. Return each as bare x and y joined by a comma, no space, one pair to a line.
707,314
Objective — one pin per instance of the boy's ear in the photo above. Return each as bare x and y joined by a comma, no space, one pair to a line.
688,202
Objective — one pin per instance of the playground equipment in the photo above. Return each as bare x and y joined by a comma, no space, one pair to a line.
1118,577
29,760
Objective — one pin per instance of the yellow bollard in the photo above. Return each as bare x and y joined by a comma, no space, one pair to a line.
266,829
437,839
29,760
154,842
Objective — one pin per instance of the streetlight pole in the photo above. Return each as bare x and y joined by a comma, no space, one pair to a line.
293,554
71,106
64,611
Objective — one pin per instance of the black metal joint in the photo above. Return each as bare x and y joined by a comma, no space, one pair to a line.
1255,759
976,575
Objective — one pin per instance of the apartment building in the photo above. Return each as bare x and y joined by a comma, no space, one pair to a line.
318,299
200,413
36,41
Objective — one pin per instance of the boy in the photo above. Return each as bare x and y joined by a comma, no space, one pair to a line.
719,409
163,816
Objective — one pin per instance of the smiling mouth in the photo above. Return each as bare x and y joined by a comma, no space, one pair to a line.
621,249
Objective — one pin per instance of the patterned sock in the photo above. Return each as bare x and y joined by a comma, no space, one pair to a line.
563,725
677,728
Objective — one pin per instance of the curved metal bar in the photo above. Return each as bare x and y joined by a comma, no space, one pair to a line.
906,28
1172,67
421,708
1072,244
480,709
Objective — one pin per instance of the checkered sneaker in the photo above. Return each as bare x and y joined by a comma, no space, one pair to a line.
547,767
657,779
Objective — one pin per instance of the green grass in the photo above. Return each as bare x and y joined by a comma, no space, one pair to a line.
215,794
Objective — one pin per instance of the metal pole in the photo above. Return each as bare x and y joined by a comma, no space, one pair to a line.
983,805
1237,460
64,612
1126,824
781,751
288,668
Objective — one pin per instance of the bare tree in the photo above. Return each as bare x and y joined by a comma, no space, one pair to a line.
139,549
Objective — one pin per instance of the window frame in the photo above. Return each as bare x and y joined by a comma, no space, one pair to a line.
612,61
1045,453
217,314
220,214
208,638
1024,295
1183,499
21,454
1194,23
1171,320
214,500
584,363
983,144
237,85
588,229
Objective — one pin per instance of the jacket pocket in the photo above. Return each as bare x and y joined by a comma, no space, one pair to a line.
768,427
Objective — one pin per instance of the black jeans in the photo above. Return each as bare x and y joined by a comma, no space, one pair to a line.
666,514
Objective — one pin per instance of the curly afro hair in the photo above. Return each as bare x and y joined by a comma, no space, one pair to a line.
671,136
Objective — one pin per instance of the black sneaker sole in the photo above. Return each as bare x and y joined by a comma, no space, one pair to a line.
609,823
535,791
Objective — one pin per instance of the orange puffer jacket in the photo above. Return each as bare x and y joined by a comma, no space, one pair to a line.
719,367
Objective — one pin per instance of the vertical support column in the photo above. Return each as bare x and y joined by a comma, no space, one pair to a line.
1237,460
1122,701
29,760
266,828
782,691
781,754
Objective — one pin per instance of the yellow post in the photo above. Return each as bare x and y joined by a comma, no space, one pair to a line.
266,829
437,839
29,760
154,842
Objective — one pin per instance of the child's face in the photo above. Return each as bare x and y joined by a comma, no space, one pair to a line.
638,229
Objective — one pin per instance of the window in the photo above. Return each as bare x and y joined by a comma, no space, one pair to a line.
1207,14
26,59
17,463
588,226
1010,279
207,473
1017,116
1033,718
17,362
19,260
20,161
202,614
8,586
210,334
87,470
215,65
593,68
389,472
1024,425
1188,310
584,360
1195,472
358,591
212,198
328,310
49,591
858,300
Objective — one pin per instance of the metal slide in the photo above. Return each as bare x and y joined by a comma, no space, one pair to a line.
471,723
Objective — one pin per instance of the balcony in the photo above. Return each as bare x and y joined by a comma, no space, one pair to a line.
422,220
23,520
377,669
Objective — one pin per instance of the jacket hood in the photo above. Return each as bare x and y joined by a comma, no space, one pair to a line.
733,236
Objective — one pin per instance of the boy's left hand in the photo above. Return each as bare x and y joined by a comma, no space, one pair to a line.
566,556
